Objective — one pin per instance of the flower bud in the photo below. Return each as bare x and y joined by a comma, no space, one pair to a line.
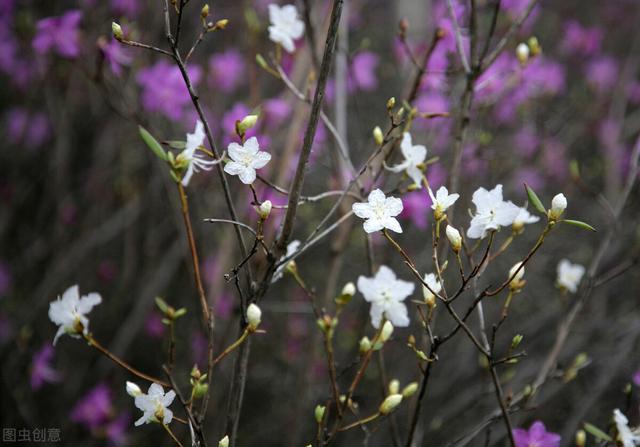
204,12
410,389
224,442
390,404
534,46
319,413
387,330
522,53
558,205
515,341
265,209
133,390
516,283
253,316
246,123
391,103
429,298
200,390
117,31
378,136
581,438
394,386
221,24
454,238
349,289
365,345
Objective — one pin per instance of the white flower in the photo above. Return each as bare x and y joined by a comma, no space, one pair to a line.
190,157
413,156
454,238
385,293
246,159
254,315
569,275
155,405
265,209
524,217
70,312
285,26
441,201
379,212
491,212
133,390
432,281
558,205
291,249
625,435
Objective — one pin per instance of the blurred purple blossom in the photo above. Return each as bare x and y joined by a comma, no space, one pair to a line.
115,54
41,370
128,8
537,435
276,112
363,71
153,325
28,129
223,306
416,208
116,430
94,409
163,88
636,378
581,41
526,141
602,73
199,348
60,34
228,71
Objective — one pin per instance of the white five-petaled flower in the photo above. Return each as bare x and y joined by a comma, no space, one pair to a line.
155,405
569,275
625,435
432,281
441,201
193,160
386,294
291,249
491,212
285,26
413,156
379,212
70,312
524,217
246,159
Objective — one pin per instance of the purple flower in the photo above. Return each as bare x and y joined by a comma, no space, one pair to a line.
224,306
59,34
153,325
129,8
94,409
363,71
41,370
115,54
602,73
276,111
526,141
579,40
116,430
537,436
416,207
227,70
163,88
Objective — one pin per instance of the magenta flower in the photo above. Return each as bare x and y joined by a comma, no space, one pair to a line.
94,409
116,430
163,88
115,54
41,370
580,40
537,436
602,73
363,71
59,34
227,70
276,111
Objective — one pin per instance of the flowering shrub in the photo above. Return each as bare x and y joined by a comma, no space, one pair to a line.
305,226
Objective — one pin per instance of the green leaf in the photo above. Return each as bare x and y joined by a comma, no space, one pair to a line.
152,143
162,305
580,224
534,200
595,431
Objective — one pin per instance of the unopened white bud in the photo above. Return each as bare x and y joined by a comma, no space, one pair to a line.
246,123
117,31
365,345
558,205
378,136
133,390
349,289
516,281
410,389
394,386
522,53
319,413
224,442
253,316
387,330
265,209
454,238
390,404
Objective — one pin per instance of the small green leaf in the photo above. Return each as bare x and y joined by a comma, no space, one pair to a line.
162,305
177,144
595,431
152,143
180,312
580,224
261,61
534,200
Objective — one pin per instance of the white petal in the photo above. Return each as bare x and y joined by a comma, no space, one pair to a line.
392,224
372,225
376,315
393,206
155,390
234,168
60,332
235,151
367,287
168,398
416,175
168,416
385,276
476,230
376,197
186,178
87,302
252,146
247,176
397,313
362,210
402,289
260,160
